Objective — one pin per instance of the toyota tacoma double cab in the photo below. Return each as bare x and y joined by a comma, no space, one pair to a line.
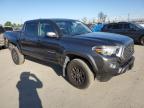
83,54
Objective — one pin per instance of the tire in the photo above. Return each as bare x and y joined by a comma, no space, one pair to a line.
142,40
79,74
17,57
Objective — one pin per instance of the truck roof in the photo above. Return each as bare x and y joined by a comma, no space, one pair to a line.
52,19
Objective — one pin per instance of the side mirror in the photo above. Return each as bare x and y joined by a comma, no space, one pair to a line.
52,34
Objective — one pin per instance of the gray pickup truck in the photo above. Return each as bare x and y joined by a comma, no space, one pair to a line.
83,54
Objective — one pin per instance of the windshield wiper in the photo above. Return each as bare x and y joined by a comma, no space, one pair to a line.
80,33
77,34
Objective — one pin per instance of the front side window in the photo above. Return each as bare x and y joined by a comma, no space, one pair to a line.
136,26
45,28
130,26
31,29
133,27
71,28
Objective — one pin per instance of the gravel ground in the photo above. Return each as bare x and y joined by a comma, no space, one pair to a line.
52,91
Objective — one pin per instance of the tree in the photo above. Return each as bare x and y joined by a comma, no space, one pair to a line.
94,20
102,17
85,20
17,26
14,25
8,23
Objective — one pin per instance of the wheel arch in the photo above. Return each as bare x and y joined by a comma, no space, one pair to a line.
16,45
87,59
139,41
141,37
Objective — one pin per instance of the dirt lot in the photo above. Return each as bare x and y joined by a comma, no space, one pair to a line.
124,91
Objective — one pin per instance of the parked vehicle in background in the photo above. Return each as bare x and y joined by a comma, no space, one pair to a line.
133,30
90,26
97,27
142,25
2,36
83,54
8,28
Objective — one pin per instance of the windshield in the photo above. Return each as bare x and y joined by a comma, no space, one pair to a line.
139,26
72,28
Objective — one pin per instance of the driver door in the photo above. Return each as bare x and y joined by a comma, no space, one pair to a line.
49,47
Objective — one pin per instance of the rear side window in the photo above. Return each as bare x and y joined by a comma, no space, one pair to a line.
46,27
115,26
126,26
110,26
1,30
31,29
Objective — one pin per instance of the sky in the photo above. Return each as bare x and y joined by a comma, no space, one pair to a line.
18,11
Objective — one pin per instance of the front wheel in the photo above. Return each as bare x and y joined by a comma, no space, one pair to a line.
79,74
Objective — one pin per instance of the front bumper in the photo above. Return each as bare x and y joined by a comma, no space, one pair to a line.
126,66
114,66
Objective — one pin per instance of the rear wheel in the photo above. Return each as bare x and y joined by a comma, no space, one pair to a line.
142,40
17,57
79,74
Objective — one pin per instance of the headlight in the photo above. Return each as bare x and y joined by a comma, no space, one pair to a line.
107,50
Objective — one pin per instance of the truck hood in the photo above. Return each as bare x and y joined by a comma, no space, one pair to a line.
105,37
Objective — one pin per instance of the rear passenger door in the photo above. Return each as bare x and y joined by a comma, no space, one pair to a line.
29,39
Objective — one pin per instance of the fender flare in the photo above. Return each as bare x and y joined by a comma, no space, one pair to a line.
67,59
90,60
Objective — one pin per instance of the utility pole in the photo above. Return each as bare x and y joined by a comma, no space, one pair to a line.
21,20
128,17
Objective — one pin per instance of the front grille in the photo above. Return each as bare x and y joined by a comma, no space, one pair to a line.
128,51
